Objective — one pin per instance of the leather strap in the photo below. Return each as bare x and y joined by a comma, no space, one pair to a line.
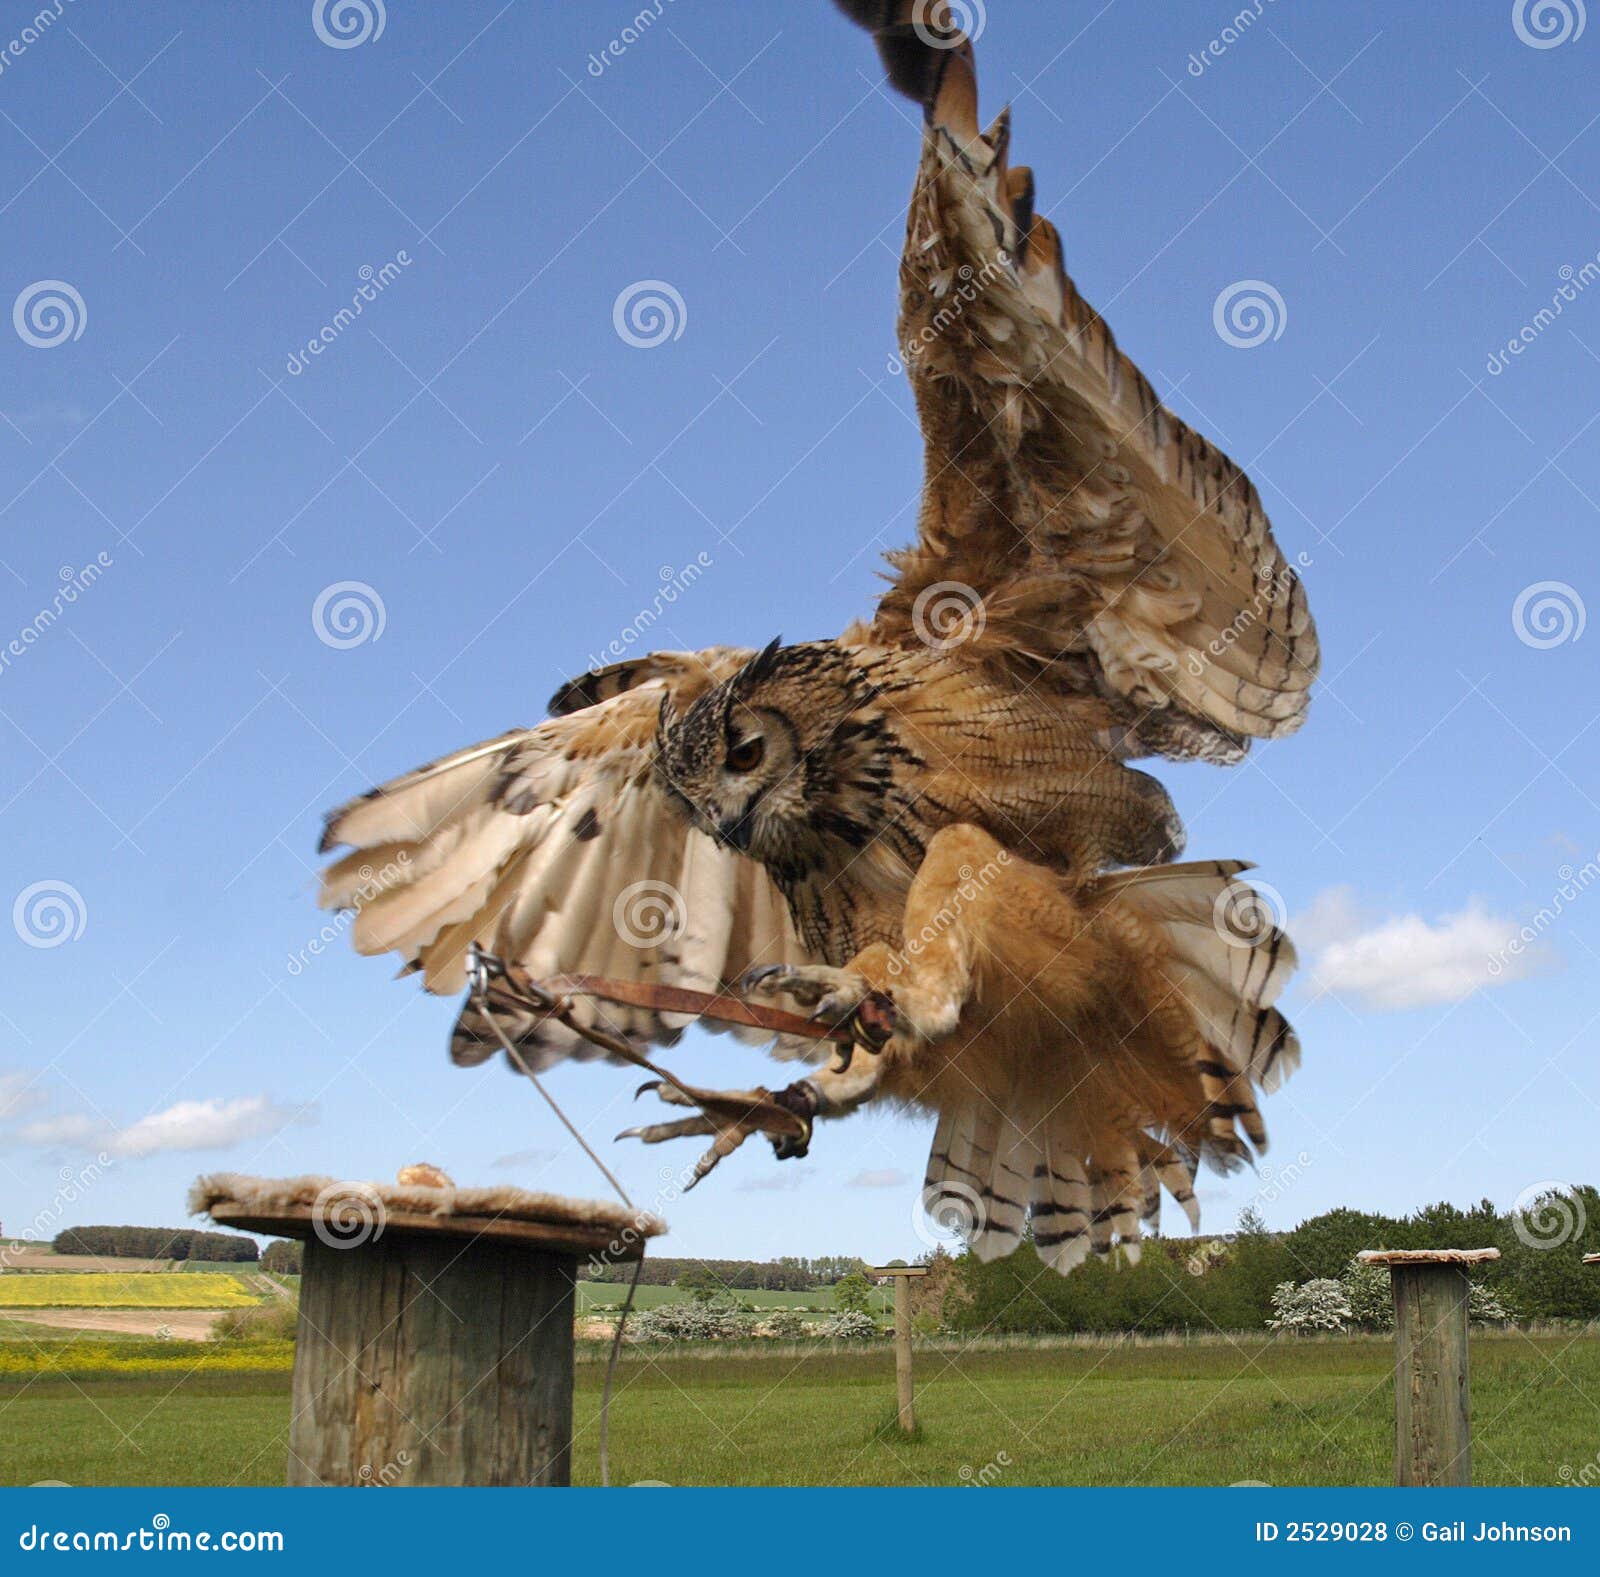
657,998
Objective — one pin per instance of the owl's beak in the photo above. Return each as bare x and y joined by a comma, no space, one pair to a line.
735,832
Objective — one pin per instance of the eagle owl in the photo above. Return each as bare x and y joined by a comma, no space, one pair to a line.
926,828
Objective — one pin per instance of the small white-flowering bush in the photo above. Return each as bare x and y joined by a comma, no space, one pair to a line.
1319,1305
848,1327
690,1322
1371,1301
1486,1307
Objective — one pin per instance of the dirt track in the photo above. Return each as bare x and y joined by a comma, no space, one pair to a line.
190,1325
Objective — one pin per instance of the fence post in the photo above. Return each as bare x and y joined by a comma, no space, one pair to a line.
901,1276
1432,1399
435,1335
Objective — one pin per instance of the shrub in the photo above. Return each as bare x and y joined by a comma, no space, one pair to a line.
850,1326
273,1321
1486,1307
715,1321
1319,1305
1366,1289
784,1324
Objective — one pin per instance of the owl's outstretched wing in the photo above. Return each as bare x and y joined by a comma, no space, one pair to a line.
556,848
1100,545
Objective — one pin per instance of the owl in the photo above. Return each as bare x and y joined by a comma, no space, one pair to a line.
927,831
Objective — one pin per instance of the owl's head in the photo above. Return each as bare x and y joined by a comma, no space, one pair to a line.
784,755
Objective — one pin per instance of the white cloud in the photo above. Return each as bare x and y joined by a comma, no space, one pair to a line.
518,1158
780,1180
214,1124
18,1096
1406,960
885,1177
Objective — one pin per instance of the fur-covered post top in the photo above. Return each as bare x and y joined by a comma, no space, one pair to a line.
1427,1256
299,1206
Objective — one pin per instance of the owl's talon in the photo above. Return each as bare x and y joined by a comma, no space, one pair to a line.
731,1117
753,979
664,1091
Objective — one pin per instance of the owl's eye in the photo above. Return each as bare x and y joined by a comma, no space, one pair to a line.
746,755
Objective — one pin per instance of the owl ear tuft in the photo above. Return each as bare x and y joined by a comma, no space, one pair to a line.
759,669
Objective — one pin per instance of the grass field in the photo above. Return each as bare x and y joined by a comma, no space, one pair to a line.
124,1290
1315,1413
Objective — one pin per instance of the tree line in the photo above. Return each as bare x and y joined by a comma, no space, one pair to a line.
1228,1282
739,1275
154,1243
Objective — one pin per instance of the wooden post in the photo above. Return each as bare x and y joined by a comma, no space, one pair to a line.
901,1275
1432,1399
432,1348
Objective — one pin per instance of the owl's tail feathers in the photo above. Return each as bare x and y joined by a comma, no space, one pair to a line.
989,1175
1087,1168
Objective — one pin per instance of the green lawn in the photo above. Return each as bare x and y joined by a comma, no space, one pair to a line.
1286,1414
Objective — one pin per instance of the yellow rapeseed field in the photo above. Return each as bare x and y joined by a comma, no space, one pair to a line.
112,1290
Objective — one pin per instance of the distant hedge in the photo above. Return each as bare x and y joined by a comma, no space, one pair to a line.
155,1243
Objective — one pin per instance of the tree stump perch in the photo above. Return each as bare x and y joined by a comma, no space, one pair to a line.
1432,1397
901,1275
435,1335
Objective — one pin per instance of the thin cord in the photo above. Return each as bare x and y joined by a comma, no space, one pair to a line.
622,1193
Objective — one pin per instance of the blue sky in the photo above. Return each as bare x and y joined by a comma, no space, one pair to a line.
511,479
